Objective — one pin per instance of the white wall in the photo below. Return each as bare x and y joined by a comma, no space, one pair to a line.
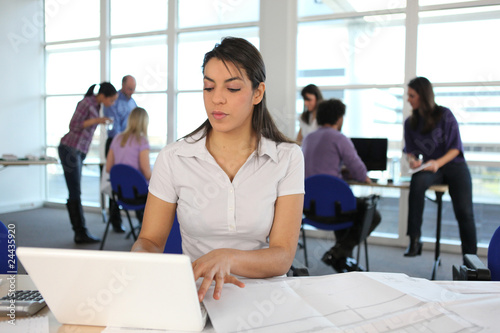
21,113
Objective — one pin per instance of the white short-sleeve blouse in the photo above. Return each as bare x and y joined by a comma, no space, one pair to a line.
214,212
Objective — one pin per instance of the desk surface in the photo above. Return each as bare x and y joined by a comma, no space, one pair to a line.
400,185
27,162
351,301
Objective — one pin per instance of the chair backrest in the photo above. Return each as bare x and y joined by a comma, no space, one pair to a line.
130,188
326,196
494,256
174,241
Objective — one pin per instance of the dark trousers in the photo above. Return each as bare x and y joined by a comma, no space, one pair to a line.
72,164
458,178
347,239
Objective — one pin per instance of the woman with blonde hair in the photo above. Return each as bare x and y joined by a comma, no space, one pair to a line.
131,147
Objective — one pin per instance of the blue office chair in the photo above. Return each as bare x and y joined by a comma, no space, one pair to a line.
130,191
174,241
494,256
329,204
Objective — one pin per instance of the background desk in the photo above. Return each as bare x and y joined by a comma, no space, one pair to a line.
364,302
439,190
6,163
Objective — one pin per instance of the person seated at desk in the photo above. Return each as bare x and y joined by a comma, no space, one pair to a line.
236,182
131,147
432,131
326,151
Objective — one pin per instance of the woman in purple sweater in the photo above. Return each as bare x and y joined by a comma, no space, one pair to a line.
432,132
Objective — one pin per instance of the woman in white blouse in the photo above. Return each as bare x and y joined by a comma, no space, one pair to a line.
312,97
236,182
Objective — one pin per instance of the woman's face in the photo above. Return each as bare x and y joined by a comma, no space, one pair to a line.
413,99
109,101
310,101
228,96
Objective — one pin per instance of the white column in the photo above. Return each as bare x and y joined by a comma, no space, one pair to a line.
278,39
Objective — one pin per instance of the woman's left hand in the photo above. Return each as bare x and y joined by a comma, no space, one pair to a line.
214,266
433,166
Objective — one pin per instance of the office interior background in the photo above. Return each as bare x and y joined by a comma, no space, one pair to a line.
363,52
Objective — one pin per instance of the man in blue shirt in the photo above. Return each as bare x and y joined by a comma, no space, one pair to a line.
119,113
328,151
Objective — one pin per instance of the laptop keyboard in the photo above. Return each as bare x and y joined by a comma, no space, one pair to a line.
27,303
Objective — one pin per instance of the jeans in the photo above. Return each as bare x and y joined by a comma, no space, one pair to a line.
458,178
72,163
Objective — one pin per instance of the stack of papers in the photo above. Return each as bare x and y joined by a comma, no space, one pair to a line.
420,168
357,302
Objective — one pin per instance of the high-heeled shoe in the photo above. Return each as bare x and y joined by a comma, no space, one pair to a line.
414,248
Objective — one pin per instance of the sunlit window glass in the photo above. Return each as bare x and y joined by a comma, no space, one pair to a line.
192,48
75,19
132,16
145,58
477,110
190,112
198,13
156,107
457,45
59,111
379,109
323,7
367,50
72,68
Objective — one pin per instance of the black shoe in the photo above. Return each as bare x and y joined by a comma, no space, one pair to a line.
414,248
328,258
341,265
351,265
118,227
85,237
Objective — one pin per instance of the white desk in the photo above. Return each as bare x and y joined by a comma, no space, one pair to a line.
25,162
357,302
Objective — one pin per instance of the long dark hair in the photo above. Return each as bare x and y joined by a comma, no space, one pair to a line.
313,90
428,110
105,88
242,54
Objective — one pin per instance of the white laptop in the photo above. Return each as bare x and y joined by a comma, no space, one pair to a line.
119,289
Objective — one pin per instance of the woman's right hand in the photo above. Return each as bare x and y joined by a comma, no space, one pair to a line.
104,120
413,161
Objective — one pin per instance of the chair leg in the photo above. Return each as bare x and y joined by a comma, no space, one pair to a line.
305,248
131,226
105,234
366,256
358,256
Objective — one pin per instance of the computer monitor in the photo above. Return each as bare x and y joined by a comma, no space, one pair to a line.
372,151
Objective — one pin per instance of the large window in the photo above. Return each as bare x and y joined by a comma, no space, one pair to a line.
356,51
140,41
